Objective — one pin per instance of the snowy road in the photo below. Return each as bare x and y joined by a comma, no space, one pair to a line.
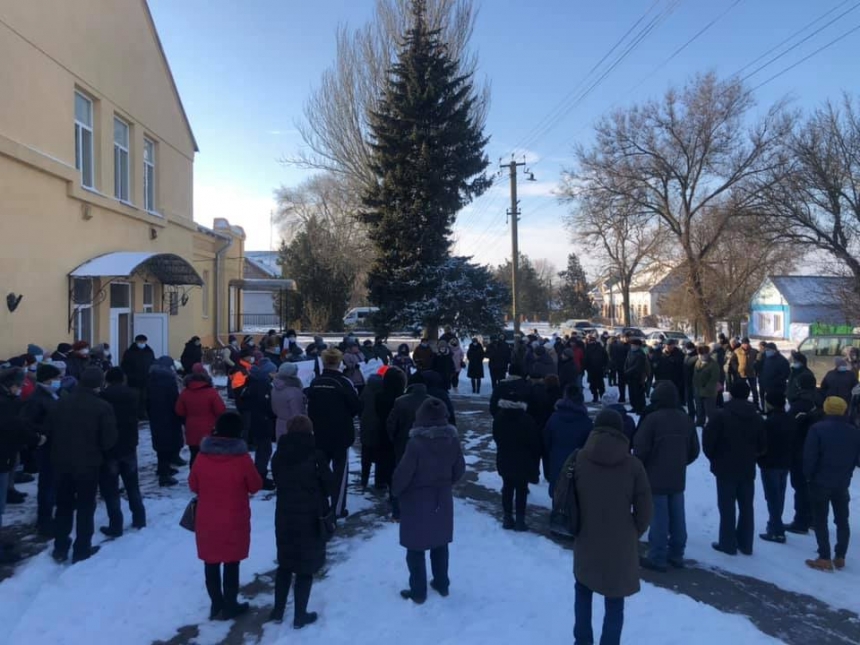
506,588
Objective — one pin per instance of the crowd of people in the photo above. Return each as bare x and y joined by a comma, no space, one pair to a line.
72,419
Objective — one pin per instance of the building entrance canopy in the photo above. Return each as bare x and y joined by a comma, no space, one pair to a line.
167,268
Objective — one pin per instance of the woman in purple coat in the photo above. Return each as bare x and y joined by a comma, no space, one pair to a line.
423,483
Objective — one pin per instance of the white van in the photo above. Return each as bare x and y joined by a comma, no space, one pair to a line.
356,318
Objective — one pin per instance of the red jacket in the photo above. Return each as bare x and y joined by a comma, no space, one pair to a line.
223,476
200,405
28,388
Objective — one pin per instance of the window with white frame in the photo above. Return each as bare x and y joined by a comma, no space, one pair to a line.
148,298
149,175
83,298
120,160
84,153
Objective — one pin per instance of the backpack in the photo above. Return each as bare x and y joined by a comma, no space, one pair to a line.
564,518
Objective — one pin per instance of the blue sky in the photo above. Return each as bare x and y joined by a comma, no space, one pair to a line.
245,74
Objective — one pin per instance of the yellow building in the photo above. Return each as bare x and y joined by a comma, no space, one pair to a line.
97,236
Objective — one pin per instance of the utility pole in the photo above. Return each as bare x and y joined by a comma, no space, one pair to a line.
514,213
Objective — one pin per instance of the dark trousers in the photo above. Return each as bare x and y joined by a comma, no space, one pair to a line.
596,384
124,467
76,504
690,398
705,409
455,380
164,466
773,482
417,563
496,377
637,396
509,488
802,511
667,538
246,427
622,384
476,386
613,376
301,593
339,462
613,618
222,596
752,381
821,500
46,497
194,450
368,458
263,443
141,403
737,523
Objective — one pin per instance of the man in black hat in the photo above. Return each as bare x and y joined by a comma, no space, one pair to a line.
84,429
136,363
637,369
775,370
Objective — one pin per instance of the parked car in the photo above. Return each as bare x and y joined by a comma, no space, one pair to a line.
358,317
578,325
821,350
634,332
657,337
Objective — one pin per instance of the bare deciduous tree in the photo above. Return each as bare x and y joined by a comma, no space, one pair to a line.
625,239
676,158
335,127
815,202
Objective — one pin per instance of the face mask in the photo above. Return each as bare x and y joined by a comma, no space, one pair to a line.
705,358
769,353
842,368
33,367
797,366
55,385
291,339
423,344
141,345
251,360
252,344
197,344
39,358
85,352
235,343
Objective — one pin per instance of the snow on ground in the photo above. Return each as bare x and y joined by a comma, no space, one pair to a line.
528,600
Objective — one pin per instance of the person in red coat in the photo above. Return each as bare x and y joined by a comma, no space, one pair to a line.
199,405
223,477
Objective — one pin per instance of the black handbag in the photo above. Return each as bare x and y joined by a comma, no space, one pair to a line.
189,516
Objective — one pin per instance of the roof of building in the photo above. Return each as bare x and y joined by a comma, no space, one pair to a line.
266,261
810,290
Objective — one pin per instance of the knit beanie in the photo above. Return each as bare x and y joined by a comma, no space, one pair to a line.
332,359
228,425
198,368
35,350
432,413
835,406
288,369
300,425
608,418
740,390
47,372
92,378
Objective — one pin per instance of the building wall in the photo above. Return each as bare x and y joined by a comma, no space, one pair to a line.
49,223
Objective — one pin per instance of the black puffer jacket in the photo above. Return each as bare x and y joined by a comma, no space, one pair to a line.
519,444
780,430
84,429
304,484
402,417
836,383
136,363
512,388
124,402
332,404
15,433
666,442
162,390
734,439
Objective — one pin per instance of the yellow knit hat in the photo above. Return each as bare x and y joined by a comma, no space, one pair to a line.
835,406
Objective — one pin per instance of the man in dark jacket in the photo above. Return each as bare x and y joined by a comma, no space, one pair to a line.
162,392
258,397
499,357
830,455
381,351
666,443
798,368
637,370
136,363
568,372
779,430
35,412
15,435
618,357
518,453
513,387
804,412
691,357
400,421
191,354
121,460
733,440
566,430
333,403
596,361
775,370
670,367
84,429
423,357
840,381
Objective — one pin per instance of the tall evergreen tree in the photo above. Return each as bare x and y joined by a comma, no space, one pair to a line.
573,292
428,158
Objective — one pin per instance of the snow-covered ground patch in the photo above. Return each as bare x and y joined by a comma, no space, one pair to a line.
528,600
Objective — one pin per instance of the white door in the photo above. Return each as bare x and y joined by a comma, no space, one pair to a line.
120,317
154,327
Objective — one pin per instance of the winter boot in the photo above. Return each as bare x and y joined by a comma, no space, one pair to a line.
520,526
508,522
820,564
24,478
109,532
9,554
305,619
648,563
406,594
442,591
772,537
178,461
839,563
165,481
86,555
268,484
276,615
232,608
796,528
15,496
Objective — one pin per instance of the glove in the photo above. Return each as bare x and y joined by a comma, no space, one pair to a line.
43,439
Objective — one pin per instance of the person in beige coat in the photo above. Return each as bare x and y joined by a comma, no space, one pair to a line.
615,509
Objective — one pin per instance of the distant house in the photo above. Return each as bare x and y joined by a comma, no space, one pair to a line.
259,308
785,305
648,291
